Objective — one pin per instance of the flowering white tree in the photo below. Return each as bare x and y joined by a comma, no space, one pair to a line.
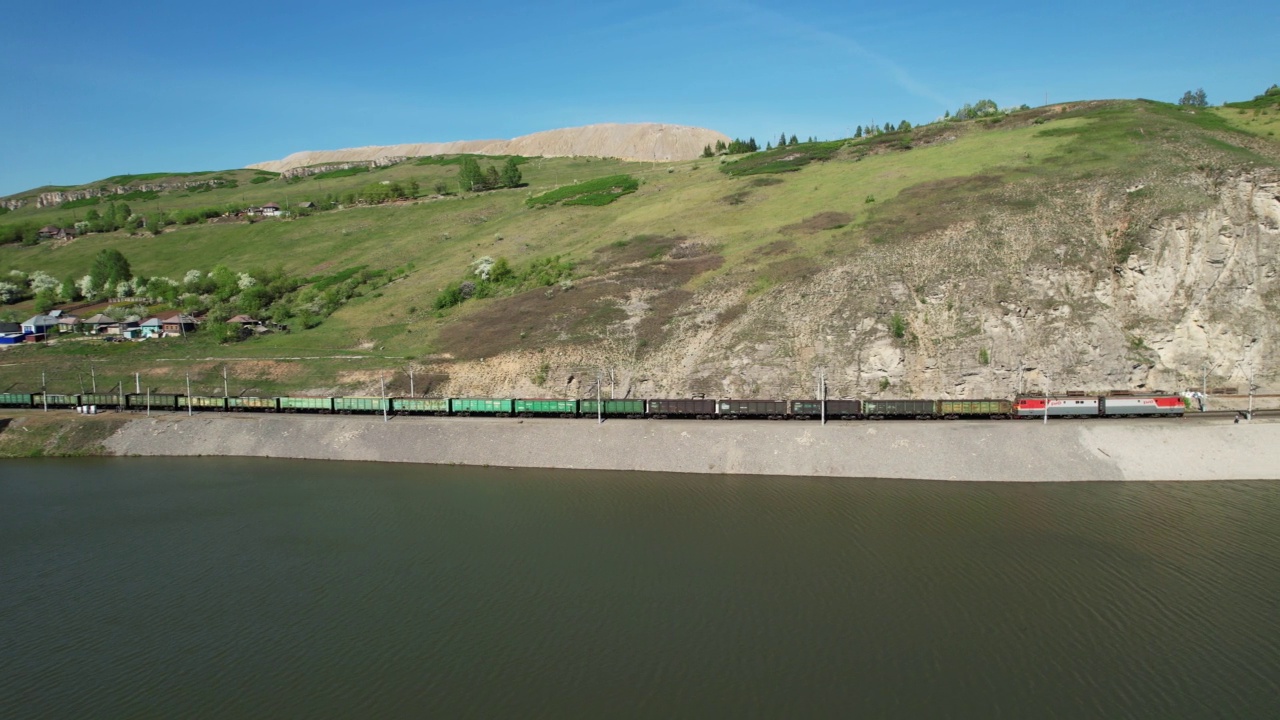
480,267
11,292
86,287
43,281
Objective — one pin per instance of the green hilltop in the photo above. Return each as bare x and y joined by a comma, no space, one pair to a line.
374,269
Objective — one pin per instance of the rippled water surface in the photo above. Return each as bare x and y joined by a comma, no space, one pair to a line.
253,588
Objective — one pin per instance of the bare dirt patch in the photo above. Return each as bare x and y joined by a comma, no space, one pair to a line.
829,220
555,316
790,269
272,370
775,248
636,249
931,206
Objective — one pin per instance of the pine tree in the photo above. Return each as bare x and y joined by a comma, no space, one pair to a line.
491,178
782,140
904,125
751,143
109,268
794,140
858,133
768,145
706,151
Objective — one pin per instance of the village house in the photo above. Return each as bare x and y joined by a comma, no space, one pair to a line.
177,324
151,328
127,327
10,333
67,323
270,210
53,232
40,325
98,324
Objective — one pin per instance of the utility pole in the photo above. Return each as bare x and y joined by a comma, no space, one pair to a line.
822,393
93,377
613,385
148,402
44,392
1046,399
599,400
383,379
189,395
137,383
225,392
1250,416
411,393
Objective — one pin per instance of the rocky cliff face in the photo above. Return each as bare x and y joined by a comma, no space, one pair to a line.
1093,290
650,142
329,167
55,198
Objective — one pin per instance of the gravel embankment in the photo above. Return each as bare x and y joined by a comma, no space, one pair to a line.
1005,451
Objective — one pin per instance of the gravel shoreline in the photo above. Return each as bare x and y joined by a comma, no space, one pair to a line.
960,450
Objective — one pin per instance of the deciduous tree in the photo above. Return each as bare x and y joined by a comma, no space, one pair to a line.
511,176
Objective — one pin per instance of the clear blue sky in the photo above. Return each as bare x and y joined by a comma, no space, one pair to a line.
93,89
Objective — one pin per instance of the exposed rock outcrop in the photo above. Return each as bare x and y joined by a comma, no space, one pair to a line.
1092,290
54,198
330,167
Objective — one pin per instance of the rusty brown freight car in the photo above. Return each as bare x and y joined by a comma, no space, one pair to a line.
682,408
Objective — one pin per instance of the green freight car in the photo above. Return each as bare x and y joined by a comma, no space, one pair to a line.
480,406
612,408
420,406
953,409
305,404
154,401
17,400
69,401
200,402
882,409
348,405
98,399
563,408
251,404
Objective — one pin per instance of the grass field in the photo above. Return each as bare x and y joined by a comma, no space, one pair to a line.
761,221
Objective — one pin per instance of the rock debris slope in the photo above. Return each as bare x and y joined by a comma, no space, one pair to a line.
655,142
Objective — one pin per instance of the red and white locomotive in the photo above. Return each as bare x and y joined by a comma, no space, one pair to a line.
1100,406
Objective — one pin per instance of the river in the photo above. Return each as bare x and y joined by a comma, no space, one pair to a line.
252,588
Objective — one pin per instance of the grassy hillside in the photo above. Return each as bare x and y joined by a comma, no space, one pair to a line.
731,225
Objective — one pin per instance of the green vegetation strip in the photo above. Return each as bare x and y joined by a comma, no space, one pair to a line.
347,172
600,191
783,159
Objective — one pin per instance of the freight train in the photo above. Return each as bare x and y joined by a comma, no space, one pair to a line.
1070,406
